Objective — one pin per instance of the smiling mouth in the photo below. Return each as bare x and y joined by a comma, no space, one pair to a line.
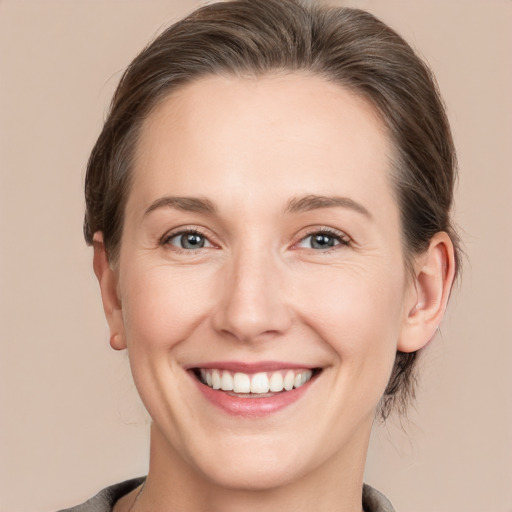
254,385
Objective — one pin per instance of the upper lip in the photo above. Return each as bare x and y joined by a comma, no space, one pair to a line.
252,367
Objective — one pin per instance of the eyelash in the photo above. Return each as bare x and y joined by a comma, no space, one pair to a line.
185,231
341,238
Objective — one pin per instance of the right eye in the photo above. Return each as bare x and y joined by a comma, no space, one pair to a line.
188,240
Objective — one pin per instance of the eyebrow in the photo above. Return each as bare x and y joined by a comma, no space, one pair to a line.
313,202
295,205
187,204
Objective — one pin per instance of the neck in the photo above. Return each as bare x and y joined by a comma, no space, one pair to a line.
175,485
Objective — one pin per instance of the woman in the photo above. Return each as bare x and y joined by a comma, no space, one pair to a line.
269,206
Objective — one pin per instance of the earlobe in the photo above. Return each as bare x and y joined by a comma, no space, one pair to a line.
433,280
107,280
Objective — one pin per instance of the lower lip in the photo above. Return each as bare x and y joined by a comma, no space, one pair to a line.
254,407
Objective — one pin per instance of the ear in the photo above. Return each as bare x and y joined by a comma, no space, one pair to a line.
429,292
107,279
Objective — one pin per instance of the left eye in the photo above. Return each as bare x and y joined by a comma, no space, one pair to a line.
189,240
321,241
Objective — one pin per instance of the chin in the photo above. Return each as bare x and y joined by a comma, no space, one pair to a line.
247,462
253,474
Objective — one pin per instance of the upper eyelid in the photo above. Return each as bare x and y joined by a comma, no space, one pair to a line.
185,229
324,229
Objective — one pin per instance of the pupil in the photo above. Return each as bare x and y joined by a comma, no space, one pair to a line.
322,241
192,241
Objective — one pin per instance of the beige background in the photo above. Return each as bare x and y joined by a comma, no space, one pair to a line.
70,422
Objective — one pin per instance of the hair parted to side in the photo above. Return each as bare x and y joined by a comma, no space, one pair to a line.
256,37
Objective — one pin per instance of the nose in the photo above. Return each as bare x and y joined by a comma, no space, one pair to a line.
252,305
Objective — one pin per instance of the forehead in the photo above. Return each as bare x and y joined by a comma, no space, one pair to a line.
282,131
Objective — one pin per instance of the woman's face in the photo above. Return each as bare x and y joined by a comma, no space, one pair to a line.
261,247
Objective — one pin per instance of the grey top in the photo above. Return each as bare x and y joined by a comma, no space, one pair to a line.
373,500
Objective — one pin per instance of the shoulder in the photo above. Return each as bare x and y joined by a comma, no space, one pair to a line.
105,499
375,501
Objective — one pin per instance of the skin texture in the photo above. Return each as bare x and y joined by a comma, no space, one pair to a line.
259,291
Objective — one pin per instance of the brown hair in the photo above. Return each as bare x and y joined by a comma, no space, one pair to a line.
256,37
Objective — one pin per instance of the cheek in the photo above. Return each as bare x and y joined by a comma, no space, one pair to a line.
358,314
162,307
358,295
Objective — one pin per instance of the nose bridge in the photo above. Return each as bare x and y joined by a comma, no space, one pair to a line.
252,303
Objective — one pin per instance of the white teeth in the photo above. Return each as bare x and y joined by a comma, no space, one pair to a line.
276,382
215,379
258,383
288,380
241,383
226,383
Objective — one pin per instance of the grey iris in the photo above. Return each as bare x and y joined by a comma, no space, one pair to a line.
321,241
192,241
